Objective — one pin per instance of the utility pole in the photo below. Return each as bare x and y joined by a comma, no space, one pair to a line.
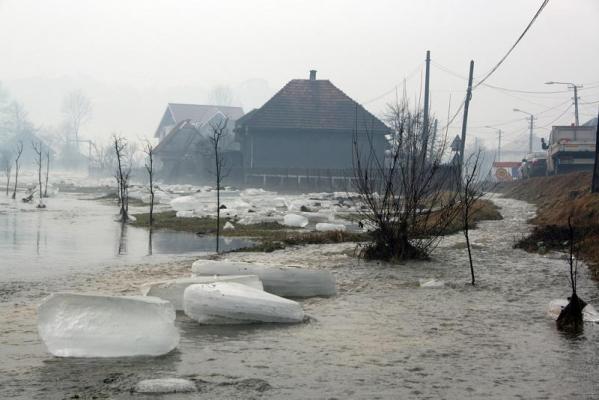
532,118
499,145
432,145
576,105
465,120
595,182
571,86
425,128
531,126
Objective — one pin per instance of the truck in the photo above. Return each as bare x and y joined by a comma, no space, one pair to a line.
535,164
570,149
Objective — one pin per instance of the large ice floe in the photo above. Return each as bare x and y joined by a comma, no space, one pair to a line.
279,280
294,220
589,314
330,227
83,325
172,290
234,303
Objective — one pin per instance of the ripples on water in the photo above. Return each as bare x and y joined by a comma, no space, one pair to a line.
381,337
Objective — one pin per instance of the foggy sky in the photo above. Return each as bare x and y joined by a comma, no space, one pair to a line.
131,57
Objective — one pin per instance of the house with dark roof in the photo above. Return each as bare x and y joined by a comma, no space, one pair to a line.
183,153
308,124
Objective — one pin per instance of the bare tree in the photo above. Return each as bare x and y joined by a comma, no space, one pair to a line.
6,161
47,172
218,132
39,150
407,197
149,150
221,95
469,194
77,109
18,152
122,175
570,318
17,119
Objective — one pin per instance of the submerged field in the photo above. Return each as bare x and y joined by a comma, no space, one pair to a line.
382,336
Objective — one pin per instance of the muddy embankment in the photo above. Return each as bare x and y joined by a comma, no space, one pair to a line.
557,198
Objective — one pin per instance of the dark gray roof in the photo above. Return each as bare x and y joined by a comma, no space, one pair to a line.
312,104
198,113
591,122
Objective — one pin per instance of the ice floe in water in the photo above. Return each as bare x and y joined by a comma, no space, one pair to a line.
81,325
431,283
234,303
279,280
172,290
328,227
294,220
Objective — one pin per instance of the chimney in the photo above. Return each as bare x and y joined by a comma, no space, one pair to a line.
312,74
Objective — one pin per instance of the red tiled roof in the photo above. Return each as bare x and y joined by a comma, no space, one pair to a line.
312,104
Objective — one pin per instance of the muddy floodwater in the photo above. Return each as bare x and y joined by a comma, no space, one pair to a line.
381,337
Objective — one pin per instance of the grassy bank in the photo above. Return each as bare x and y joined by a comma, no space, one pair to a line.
273,236
269,235
557,198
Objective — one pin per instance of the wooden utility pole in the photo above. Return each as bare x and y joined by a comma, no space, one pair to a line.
595,183
425,118
465,120
499,145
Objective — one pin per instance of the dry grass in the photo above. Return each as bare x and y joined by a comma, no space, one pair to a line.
557,198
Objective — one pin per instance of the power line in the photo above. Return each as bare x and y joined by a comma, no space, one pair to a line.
396,86
561,115
534,18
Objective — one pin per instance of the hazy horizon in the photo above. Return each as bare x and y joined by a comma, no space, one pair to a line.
132,58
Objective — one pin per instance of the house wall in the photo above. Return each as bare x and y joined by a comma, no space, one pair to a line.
303,148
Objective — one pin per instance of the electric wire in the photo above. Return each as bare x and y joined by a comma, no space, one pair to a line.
496,67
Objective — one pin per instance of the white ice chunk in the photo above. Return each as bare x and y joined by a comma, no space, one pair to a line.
229,226
234,303
295,220
282,281
589,314
165,385
172,290
327,227
185,214
186,203
431,283
80,325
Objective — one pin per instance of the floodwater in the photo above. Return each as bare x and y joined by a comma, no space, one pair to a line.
381,337
75,235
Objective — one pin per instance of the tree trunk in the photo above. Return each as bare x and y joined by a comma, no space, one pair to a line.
570,318
47,173
14,193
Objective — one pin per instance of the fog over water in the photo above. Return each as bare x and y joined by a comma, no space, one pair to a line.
133,57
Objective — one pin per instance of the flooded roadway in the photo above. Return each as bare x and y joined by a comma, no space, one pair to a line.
381,337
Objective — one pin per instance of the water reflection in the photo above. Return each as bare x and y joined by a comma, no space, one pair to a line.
71,234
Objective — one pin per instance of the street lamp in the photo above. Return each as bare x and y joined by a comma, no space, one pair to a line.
572,86
498,141
531,125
